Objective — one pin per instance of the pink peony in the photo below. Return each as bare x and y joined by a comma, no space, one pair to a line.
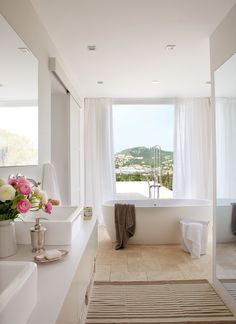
48,207
22,180
23,206
12,181
24,188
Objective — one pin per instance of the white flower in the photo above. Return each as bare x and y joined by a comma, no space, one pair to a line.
7,192
2,182
36,190
43,196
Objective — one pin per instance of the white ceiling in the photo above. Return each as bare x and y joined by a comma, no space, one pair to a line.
18,71
131,36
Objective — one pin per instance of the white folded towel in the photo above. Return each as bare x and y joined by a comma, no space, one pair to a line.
50,183
194,235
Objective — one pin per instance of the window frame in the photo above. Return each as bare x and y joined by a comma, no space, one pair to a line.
146,101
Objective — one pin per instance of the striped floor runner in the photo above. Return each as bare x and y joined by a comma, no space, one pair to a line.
157,302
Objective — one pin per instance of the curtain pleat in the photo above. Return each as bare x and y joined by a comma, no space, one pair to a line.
99,157
192,149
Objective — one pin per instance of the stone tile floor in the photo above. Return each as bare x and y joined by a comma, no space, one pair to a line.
226,260
148,262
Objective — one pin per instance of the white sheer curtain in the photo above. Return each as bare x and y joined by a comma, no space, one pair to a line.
99,157
225,114
192,148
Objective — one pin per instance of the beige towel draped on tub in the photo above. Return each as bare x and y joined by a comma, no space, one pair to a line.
124,223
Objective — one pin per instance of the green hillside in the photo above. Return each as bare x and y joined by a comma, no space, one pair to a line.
144,156
136,164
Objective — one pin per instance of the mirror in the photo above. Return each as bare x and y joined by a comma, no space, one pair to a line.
225,117
18,100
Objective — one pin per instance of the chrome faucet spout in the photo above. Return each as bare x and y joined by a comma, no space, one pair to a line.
34,183
157,173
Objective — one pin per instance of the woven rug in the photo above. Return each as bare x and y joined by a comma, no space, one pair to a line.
146,302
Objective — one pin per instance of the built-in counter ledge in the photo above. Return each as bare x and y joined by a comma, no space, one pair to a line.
56,278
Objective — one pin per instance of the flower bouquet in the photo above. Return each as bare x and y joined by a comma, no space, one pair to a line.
18,196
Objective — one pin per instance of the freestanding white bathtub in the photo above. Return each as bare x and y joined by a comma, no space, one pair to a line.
223,221
157,221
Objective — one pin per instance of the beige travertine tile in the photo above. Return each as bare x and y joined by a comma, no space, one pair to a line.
113,254
117,275
119,268
197,275
195,271
134,260
154,262
132,247
105,246
144,263
101,267
150,251
121,260
136,276
171,259
128,276
136,267
134,254
151,265
167,275
190,267
103,261
166,267
102,275
164,250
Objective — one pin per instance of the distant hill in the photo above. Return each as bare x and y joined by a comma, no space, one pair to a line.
144,155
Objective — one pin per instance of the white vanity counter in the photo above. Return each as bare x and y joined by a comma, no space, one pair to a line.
55,278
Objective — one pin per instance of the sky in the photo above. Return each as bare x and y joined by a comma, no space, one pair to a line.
143,125
21,121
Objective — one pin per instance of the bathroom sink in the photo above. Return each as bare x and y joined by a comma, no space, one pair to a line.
18,291
62,225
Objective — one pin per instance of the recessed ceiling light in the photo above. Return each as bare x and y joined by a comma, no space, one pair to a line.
99,82
24,50
170,47
91,47
155,81
208,82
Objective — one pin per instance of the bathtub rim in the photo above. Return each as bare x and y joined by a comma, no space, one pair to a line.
225,202
154,203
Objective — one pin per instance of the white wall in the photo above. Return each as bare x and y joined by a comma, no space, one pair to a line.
76,154
24,20
60,142
222,47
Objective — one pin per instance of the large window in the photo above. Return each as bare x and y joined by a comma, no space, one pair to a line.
143,145
18,136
